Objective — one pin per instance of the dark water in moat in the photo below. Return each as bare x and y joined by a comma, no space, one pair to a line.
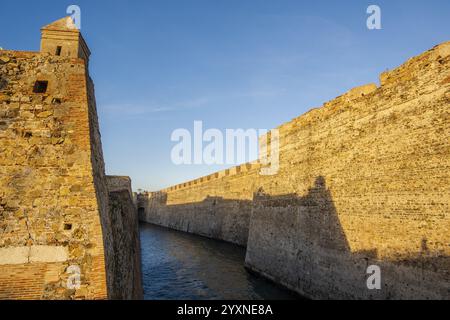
177,265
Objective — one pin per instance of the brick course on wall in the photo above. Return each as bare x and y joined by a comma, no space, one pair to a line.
363,180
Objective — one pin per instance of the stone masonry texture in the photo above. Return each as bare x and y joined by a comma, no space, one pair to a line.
54,201
363,180
127,284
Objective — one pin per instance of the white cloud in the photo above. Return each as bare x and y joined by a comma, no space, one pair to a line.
140,109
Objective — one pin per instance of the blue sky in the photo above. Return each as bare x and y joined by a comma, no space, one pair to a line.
161,65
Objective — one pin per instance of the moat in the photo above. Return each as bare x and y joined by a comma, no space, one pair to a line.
177,265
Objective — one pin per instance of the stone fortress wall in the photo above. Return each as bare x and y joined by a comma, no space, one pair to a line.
126,264
55,209
363,180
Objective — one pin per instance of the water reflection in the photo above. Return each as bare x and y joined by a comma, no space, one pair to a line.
177,265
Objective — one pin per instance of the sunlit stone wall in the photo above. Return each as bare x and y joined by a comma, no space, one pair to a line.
363,180
57,238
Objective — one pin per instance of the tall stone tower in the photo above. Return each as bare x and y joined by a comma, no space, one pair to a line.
62,38
55,229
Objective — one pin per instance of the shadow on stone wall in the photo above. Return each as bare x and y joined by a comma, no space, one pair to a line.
214,217
3,83
126,266
299,242
317,219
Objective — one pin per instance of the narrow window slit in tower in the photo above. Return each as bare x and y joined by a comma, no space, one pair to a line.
40,87
56,101
58,50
